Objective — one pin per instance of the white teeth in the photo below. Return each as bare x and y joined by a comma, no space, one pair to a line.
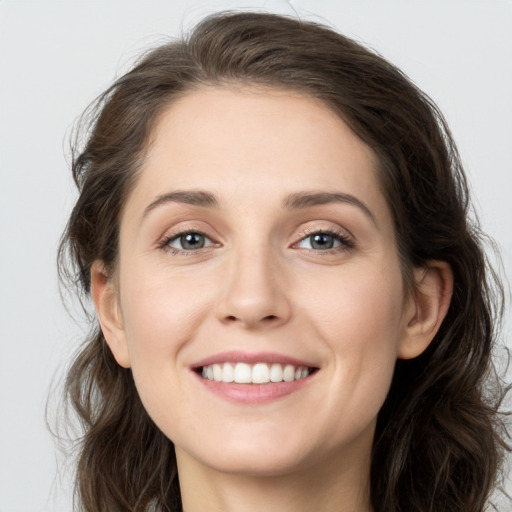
228,373
289,373
276,373
243,374
260,373
217,373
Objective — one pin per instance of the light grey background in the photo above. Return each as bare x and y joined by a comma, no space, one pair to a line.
56,56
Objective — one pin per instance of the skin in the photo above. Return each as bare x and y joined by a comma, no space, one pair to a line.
259,285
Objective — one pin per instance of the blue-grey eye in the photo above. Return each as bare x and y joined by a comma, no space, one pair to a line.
322,241
190,241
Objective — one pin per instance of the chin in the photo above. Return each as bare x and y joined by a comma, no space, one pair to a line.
262,465
249,458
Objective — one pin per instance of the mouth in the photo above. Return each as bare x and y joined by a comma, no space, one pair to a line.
257,373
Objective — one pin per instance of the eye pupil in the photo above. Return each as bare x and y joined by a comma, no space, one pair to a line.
192,241
322,241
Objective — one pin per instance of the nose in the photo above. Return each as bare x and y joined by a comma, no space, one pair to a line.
253,292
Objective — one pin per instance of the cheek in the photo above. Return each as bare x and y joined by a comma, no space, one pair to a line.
161,314
356,304
359,316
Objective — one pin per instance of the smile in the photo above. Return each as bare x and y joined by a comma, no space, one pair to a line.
259,373
254,378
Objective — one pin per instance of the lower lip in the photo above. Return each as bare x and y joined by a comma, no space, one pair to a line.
253,393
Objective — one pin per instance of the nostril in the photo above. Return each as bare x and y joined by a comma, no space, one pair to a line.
268,318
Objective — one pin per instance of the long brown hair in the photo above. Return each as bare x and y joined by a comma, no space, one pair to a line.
440,439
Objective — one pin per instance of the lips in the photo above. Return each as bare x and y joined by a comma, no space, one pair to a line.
253,378
236,356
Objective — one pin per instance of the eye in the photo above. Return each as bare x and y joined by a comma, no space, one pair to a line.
324,241
189,241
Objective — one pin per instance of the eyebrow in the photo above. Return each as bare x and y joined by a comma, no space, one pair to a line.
193,197
295,201
302,200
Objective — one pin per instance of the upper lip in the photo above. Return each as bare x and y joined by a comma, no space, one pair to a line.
251,358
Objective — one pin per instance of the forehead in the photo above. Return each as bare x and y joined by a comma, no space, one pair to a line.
255,142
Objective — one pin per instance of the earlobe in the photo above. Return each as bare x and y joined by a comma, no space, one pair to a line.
427,308
106,303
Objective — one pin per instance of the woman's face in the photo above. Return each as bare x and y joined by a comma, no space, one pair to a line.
258,246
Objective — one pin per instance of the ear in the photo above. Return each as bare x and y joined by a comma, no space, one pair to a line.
426,308
105,297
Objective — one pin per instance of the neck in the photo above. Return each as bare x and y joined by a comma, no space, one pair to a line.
342,488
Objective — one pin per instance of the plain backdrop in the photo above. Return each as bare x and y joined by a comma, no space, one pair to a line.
56,56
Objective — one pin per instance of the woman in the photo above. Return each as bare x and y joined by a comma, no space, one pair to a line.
293,310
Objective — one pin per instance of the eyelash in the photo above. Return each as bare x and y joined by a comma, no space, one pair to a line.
164,244
346,243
